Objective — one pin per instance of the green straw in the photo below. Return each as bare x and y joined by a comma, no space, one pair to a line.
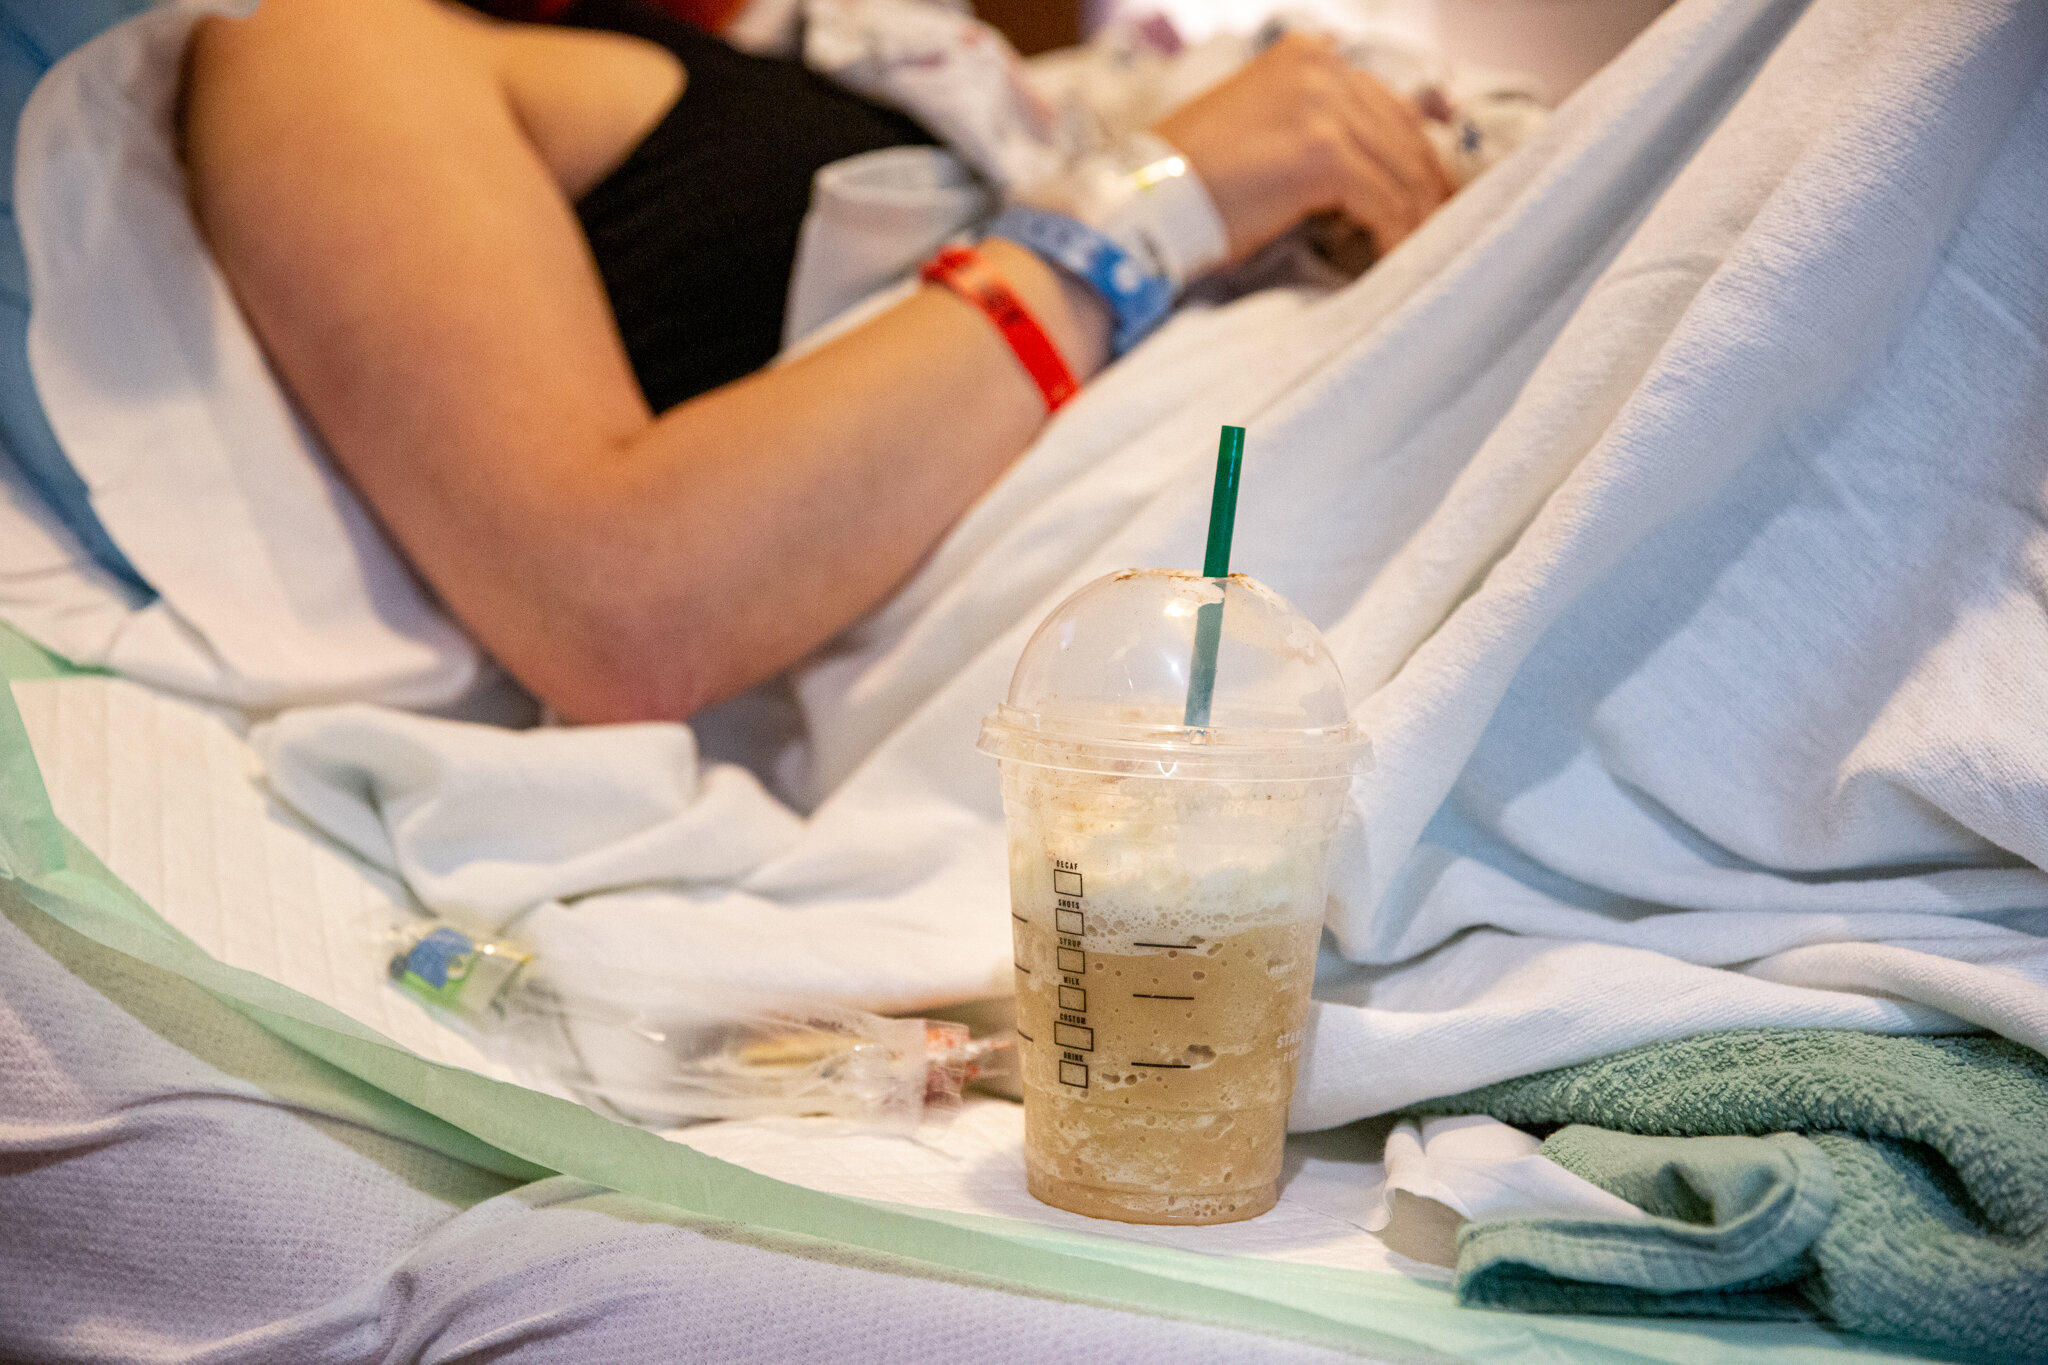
1215,564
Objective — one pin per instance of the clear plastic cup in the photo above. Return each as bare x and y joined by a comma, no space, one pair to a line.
1167,884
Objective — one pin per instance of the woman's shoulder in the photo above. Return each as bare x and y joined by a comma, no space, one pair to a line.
581,98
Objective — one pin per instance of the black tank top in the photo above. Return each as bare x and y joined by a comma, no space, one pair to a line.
695,231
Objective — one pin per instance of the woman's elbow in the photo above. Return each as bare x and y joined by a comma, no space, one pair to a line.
612,656
607,673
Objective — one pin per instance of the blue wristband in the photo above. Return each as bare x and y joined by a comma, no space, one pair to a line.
1138,300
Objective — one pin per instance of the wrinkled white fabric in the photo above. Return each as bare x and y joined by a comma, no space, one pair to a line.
616,854
872,219
1481,1168
483,823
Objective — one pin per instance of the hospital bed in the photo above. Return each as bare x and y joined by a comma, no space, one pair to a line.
264,1141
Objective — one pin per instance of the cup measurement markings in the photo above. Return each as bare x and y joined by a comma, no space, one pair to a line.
1072,1032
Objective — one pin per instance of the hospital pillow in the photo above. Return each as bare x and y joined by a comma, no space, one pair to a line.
275,586
34,34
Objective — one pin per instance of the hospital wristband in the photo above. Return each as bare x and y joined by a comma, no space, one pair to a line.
1137,298
1143,195
967,273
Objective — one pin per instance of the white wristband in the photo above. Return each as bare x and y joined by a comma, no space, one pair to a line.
1144,196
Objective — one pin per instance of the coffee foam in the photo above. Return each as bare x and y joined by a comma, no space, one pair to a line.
1207,859
1136,891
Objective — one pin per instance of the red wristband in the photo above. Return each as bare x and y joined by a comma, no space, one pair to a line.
967,273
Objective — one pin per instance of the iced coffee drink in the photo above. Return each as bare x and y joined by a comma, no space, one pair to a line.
1167,894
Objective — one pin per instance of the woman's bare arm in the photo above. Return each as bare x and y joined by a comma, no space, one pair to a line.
369,174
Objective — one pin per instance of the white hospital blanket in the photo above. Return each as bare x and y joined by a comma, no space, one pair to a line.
1677,510
1674,504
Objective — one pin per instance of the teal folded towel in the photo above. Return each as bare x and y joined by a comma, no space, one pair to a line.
1895,1186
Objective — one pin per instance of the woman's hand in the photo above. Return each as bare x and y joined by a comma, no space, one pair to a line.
1298,132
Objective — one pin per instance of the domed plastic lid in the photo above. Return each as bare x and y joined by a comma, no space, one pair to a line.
1103,686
